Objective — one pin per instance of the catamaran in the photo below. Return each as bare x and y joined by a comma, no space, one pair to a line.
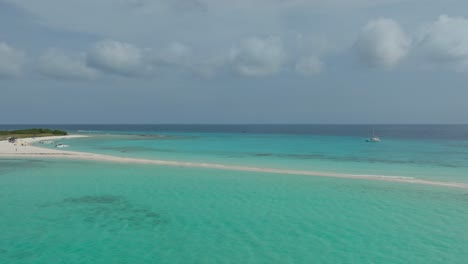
374,138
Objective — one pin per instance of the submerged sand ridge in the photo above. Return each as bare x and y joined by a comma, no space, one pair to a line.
23,148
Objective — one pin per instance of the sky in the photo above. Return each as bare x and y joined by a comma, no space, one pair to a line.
233,62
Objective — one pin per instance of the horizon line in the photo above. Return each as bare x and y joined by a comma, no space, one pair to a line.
236,124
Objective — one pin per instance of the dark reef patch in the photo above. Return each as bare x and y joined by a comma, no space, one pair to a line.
106,211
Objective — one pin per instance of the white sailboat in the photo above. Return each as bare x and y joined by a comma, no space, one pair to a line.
374,138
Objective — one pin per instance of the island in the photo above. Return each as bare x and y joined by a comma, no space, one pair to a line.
30,133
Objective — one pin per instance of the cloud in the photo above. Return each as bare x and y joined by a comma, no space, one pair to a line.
182,56
11,61
117,58
308,66
382,43
258,56
125,59
446,41
56,64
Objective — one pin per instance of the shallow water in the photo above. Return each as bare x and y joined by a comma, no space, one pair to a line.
62,211
437,159
83,212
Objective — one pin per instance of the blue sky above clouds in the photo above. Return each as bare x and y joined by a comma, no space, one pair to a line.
211,61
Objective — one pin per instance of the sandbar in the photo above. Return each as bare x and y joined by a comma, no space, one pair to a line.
23,149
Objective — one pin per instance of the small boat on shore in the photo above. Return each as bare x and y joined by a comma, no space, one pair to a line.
46,142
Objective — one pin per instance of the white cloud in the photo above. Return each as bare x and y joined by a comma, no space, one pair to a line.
193,22
446,41
258,56
308,66
382,43
125,59
56,64
116,57
11,61
179,56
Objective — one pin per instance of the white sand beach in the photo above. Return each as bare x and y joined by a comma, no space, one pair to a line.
23,146
23,149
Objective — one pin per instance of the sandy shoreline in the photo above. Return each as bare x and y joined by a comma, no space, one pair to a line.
23,149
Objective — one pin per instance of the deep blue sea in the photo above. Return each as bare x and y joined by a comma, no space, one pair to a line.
414,132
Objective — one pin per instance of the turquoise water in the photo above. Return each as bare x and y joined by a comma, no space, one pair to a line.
82,212
444,160
63,211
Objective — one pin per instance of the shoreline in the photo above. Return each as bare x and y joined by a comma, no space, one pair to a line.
11,150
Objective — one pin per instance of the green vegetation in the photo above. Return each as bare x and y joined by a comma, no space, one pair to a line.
33,132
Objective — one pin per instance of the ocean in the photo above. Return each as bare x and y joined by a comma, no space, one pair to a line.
64,211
